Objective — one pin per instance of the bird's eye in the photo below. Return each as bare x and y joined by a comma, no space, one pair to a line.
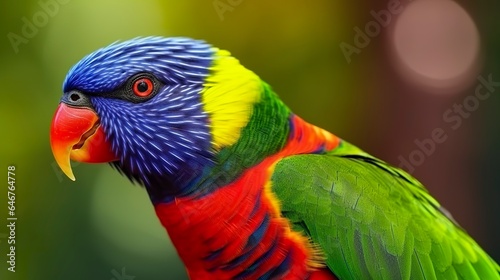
143,87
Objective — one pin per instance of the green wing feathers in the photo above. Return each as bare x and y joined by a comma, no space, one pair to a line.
374,221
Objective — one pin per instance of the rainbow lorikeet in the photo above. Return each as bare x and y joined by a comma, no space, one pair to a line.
245,188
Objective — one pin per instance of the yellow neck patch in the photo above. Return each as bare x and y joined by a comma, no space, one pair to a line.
229,95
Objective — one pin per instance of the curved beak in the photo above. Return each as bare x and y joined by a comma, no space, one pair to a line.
76,134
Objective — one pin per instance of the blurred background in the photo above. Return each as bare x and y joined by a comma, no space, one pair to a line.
411,82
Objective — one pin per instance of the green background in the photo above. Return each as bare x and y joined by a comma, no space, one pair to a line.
102,225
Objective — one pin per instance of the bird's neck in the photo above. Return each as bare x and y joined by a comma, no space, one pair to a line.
237,230
265,133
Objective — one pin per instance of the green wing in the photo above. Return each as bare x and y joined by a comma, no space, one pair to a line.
374,221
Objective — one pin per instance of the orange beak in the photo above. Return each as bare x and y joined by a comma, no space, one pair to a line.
76,134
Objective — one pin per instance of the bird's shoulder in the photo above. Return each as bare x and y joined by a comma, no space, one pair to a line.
373,220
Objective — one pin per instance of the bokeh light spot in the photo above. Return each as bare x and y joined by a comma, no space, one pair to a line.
436,44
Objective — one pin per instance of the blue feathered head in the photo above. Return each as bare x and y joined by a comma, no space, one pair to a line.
161,107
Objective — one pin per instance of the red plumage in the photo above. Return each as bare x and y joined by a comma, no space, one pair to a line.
211,232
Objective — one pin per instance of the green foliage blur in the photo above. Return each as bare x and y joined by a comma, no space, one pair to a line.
102,226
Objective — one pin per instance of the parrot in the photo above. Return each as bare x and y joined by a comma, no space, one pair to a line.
245,188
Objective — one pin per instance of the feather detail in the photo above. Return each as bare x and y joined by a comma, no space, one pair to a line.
228,97
237,231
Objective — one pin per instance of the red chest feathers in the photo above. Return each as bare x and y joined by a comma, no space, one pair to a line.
238,232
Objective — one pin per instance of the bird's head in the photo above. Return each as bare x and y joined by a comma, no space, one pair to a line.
153,107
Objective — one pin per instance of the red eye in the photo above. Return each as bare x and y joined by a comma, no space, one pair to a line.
143,87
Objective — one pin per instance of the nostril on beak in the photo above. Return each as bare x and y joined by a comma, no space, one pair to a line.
76,99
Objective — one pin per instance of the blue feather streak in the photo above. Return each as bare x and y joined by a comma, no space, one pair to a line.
252,242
